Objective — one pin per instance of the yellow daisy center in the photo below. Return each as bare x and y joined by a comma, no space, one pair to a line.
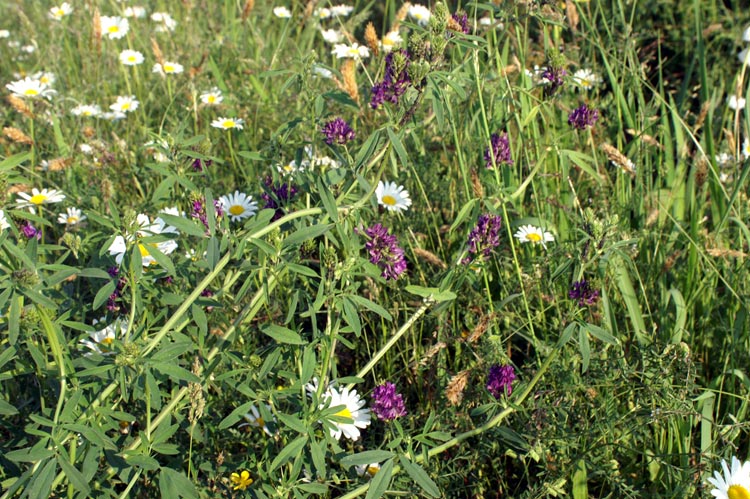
236,209
144,251
371,470
86,113
344,413
131,58
535,238
738,492
389,200
72,220
125,106
114,29
59,12
228,124
211,99
353,52
260,422
107,341
31,92
168,68
38,198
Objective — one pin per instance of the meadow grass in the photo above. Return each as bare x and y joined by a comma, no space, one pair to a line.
549,301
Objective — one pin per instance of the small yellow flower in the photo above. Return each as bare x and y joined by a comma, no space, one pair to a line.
241,481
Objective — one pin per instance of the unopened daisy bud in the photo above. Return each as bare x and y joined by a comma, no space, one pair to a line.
371,39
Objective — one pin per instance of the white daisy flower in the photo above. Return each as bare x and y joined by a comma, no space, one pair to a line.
101,341
4,33
228,123
86,110
394,197
735,484
131,57
165,20
746,148
3,221
113,115
30,87
254,418
735,102
57,13
125,104
292,167
322,13
168,68
44,77
586,79
746,35
135,11
212,97
353,412
723,159
324,162
73,216
367,469
38,198
331,35
282,12
146,228
86,149
390,41
341,10
238,205
419,13
353,51
114,27
319,70
534,235
29,49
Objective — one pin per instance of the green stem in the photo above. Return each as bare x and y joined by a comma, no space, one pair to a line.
427,303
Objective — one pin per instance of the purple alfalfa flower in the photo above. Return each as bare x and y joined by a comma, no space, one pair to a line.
200,164
385,252
114,272
337,131
462,20
583,294
484,237
582,117
499,150
500,379
552,79
387,405
30,231
199,210
277,196
395,80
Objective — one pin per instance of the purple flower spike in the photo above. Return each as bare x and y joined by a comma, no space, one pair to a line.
581,292
499,150
583,117
337,131
395,81
500,379
387,404
484,237
30,231
385,252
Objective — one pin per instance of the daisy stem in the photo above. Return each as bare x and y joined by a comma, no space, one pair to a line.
231,151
